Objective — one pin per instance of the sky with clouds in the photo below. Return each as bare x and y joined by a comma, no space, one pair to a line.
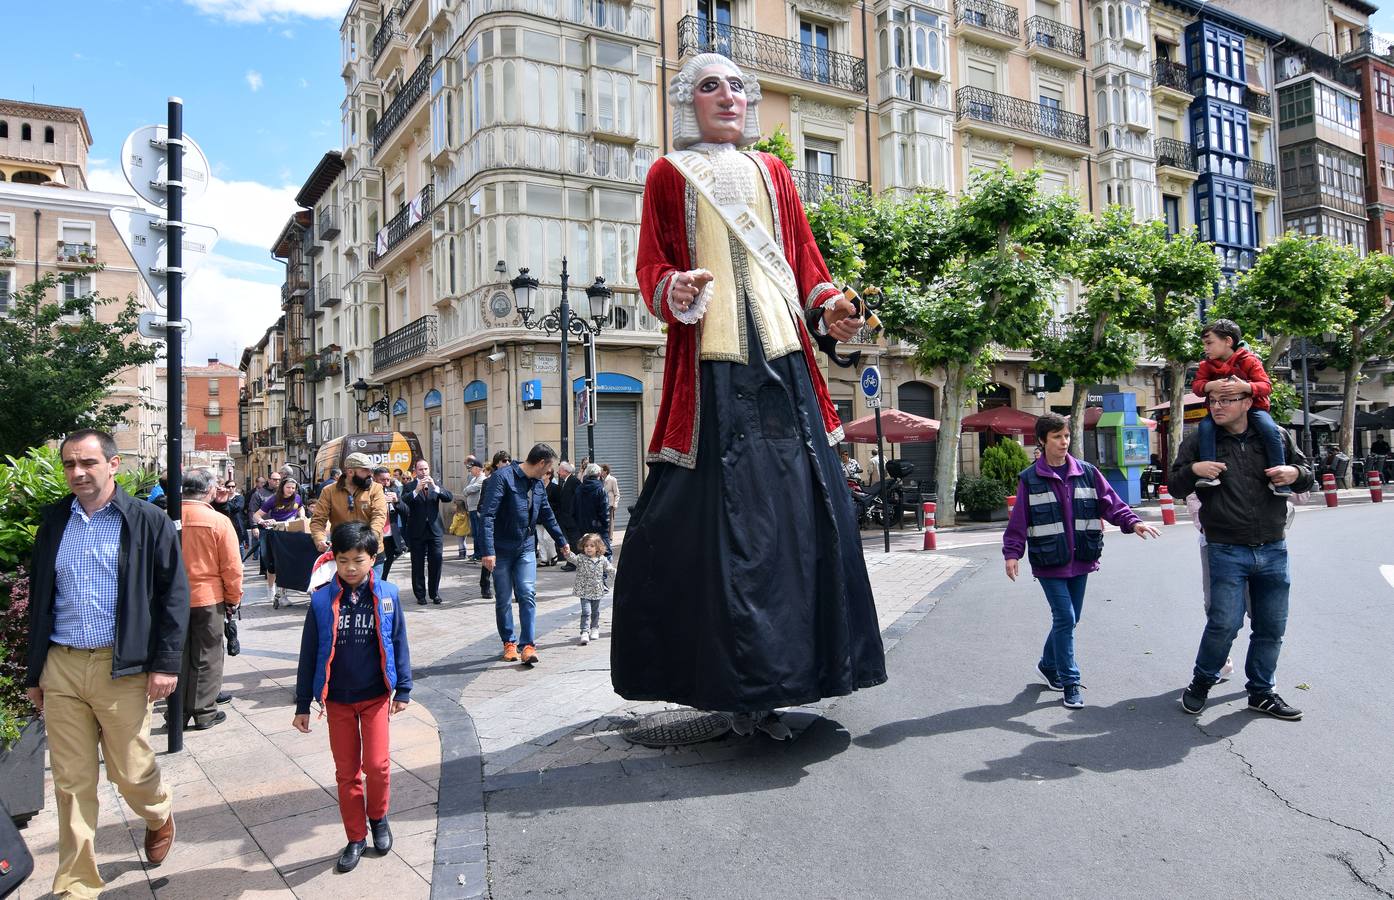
261,89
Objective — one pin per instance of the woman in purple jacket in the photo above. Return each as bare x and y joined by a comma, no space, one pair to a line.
1061,504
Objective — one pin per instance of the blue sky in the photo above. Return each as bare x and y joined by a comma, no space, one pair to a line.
261,87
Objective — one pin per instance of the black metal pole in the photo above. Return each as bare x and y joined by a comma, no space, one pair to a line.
566,397
881,463
174,353
590,396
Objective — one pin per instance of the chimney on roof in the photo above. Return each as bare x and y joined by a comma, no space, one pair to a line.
212,360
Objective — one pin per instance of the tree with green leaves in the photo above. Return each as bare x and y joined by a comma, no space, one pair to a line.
778,144
1095,342
61,353
1296,288
1368,333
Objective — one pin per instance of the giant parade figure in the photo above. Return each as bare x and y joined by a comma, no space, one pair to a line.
742,586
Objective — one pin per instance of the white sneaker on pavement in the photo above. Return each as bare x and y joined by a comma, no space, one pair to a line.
1227,669
595,634
585,638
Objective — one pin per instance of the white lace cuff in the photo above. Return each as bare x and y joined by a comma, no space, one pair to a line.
823,319
694,313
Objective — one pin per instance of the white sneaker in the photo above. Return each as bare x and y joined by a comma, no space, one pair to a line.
1227,669
595,634
585,638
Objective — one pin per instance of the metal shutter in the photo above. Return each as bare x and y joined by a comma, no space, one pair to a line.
617,443
918,399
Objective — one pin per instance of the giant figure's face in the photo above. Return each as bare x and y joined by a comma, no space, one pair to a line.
719,104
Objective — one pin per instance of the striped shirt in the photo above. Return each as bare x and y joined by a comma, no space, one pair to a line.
86,585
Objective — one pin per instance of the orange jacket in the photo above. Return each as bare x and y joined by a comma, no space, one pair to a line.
212,558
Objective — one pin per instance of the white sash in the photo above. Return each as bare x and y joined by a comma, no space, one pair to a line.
742,222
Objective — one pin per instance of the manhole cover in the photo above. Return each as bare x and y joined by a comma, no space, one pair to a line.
676,728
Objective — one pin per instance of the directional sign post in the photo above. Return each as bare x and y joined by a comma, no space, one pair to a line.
871,390
146,235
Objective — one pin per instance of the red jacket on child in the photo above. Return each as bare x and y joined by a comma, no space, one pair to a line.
1244,364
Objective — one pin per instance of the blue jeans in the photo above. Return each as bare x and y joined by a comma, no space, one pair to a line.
516,575
1264,571
476,528
1066,598
1260,421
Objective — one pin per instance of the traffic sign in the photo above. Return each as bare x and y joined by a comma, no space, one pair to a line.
871,382
873,402
153,326
145,163
145,235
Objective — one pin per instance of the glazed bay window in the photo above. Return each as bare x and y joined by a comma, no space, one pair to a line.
1384,93
914,149
1386,166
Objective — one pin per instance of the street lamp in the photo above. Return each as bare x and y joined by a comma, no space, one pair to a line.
562,321
360,393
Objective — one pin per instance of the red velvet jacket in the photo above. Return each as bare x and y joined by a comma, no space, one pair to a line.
1243,364
666,247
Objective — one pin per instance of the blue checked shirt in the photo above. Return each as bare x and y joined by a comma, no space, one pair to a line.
86,585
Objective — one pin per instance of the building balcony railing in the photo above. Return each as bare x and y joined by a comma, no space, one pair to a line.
76,254
7,247
331,290
1022,115
391,28
1174,75
297,279
1049,34
406,343
312,307
1258,103
815,187
989,15
771,54
1174,153
409,218
1370,42
329,221
1261,174
411,92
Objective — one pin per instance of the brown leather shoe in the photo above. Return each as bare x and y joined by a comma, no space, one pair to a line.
529,655
510,651
158,842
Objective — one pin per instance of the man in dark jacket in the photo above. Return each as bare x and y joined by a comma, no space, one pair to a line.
394,534
1244,525
108,612
593,506
512,504
561,495
425,536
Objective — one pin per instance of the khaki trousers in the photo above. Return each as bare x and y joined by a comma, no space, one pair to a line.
84,707
202,676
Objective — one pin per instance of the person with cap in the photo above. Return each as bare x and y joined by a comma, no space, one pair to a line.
473,491
354,497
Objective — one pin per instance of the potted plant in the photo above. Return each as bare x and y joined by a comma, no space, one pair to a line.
983,498
1003,462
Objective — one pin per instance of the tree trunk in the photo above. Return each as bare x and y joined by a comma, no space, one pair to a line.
1176,377
946,465
1077,404
1276,348
1352,382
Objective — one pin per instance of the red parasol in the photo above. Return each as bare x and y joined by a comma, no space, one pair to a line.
1001,420
897,427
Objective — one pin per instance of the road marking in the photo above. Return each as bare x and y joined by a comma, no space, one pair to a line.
1388,573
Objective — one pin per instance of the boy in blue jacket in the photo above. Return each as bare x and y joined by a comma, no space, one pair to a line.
353,657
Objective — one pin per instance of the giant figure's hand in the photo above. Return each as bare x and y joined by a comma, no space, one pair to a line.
686,287
841,320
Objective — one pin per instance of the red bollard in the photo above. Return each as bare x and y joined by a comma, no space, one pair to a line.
1328,486
1376,488
1168,505
1011,504
930,540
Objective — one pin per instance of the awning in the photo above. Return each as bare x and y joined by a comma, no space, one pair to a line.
897,427
1001,420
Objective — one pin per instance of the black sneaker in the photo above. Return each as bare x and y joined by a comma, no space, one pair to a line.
1073,699
1052,680
1282,490
382,835
225,697
1193,697
1208,482
420,601
353,851
436,601
1275,706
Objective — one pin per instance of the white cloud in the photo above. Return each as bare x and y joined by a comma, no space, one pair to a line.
254,80
227,311
261,10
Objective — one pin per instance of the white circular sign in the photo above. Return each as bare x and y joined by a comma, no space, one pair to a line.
146,165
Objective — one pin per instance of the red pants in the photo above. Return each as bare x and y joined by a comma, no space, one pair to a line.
358,740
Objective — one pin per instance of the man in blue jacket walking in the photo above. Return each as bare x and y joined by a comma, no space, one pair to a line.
514,502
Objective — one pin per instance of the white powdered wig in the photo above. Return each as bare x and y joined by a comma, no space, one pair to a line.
680,91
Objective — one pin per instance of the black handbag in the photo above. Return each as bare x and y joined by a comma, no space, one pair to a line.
16,863
234,646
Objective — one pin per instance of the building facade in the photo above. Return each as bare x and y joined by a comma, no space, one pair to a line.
261,407
211,394
51,223
1372,59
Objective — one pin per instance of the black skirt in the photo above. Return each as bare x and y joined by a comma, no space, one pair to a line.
741,585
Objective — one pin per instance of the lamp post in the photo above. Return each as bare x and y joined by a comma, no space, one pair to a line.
563,321
360,396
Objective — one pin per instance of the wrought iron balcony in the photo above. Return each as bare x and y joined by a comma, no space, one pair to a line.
297,279
1261,174
412,91
409,218
1174,153
1370,42
815,187
1174,75
328,218
989,15
1258,103
312,307
7,246
406,343
1022,115
390,28
1056,36
331,290
771,54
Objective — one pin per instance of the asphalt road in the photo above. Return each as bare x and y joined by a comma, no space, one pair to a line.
961,777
